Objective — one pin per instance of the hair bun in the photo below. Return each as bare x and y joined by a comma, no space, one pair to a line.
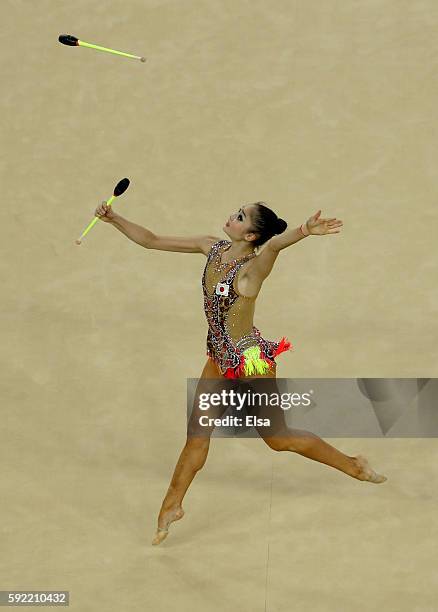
281,225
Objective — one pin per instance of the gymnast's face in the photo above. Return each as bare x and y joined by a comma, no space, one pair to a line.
239,225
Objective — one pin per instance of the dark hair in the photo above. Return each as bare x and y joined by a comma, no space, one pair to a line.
266,223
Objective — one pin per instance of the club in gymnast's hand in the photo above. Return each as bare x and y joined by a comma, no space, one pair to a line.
120,188
72,41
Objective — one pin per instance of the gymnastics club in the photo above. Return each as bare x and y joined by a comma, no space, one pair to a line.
72,41
120,188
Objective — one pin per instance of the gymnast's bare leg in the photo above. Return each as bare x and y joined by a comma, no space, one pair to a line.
313,447
191,459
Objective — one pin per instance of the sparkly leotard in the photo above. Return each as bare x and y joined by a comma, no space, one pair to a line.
230,315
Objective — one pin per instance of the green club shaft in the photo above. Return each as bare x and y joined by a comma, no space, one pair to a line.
85,44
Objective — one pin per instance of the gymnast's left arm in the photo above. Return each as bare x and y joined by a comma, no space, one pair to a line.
314,226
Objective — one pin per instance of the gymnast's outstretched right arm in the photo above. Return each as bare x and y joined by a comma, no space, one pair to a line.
149,240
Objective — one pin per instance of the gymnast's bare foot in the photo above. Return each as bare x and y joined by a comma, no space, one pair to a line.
166,517
366,472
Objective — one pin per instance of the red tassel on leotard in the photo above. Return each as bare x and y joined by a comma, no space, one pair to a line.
284,345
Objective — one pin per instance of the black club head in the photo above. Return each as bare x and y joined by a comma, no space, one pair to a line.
68,39
121,187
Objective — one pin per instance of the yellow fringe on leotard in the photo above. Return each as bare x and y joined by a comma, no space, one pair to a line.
254,364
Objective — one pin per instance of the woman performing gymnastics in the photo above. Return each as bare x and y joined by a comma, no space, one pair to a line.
233,275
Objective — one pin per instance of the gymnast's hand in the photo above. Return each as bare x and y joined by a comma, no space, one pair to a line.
320,227
105,212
